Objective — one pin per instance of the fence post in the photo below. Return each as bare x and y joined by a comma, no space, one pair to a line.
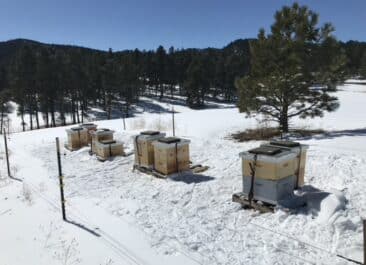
173,121
7,153
364,241
124,122
60,179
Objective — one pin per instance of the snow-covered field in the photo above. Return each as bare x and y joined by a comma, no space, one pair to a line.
131,218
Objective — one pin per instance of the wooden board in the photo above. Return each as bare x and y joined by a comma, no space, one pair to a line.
259,206
150,171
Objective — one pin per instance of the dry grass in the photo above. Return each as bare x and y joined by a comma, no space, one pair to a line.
268,133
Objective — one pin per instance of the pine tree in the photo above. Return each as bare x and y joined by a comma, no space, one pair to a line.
293,69
196,83
363,66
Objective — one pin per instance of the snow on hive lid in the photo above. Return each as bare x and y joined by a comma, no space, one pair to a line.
77,129
102,131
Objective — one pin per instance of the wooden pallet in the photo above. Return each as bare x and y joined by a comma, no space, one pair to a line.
254,204
150,171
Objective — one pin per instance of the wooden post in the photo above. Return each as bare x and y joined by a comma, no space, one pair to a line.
60,179
7,153
124,122
364,241
173,121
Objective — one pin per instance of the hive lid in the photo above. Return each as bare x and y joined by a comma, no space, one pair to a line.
150,133
77,129
169,140
88,125
266,150
279,157
285,143
170,143
108,141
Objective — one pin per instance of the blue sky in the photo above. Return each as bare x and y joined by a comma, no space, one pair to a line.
146,24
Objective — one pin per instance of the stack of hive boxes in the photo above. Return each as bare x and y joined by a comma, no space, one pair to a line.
299,163
274,173
144,149
171,155
165,155
103,144
91,127
77,137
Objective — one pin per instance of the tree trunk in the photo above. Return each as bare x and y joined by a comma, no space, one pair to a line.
284,119
73,110
82,112
47,119
22,117
36,113
77,111
31,116
53,120
2,118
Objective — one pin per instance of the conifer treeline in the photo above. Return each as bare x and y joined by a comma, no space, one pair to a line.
51,82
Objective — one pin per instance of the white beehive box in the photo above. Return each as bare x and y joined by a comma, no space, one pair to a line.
299,163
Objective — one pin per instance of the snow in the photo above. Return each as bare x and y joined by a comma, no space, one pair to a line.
186,219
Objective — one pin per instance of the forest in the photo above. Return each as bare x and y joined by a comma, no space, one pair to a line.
50,81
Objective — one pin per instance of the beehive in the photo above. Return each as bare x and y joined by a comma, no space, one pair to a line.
272,163
274,177
171,155
299,163
90,127
270,191
100,135
77,137
108,148
144,150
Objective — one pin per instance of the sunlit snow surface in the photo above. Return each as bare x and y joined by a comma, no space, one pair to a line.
187,219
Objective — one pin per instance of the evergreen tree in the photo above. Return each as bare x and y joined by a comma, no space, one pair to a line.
196,83
363,66
293,69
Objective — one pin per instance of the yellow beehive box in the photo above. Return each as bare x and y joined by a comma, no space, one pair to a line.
273,165
90,127
108,148
144,150
171,155
77,137
99,135
299,163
